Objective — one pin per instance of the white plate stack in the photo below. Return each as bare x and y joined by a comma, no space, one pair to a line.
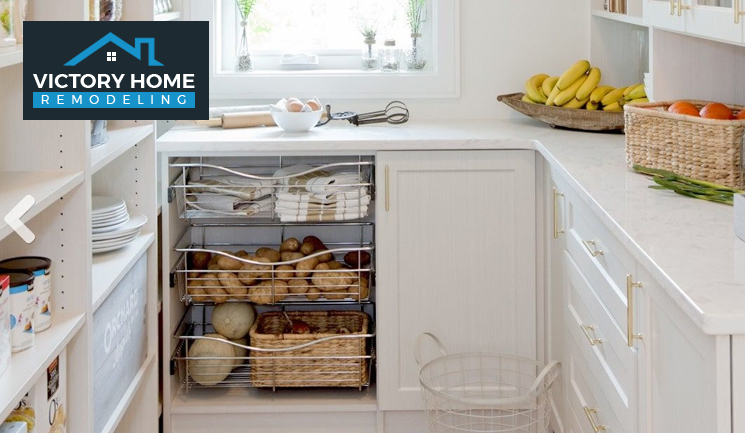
113,227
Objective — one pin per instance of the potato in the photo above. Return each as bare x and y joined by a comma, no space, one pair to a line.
323,267
317,243
196,292
303,269
217,294
284,272
192,275
335,265
313,294
360,290
242,254
268,292
323,258
214,267
289,245
298,286
233,286
229,263
357,259
200,260
214,259
307,248
289,256
250,273
271,254
333,296
332,281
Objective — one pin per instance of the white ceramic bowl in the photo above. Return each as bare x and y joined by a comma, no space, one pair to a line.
296,122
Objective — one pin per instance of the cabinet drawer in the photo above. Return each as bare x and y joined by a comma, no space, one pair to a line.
602,342
601,258
586,392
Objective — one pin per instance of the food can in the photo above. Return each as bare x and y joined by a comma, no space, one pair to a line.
21,310
39,266
4,323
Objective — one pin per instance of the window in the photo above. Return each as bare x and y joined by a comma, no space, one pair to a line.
111,56
326,34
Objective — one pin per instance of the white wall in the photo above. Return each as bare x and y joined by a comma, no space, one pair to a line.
503,43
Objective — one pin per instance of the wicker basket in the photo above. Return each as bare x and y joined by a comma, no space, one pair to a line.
582,120
704,149
340,362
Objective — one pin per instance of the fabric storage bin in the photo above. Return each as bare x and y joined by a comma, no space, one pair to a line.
704,149
335,353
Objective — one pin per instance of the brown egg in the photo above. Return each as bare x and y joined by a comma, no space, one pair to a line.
315,106
295,107
291,100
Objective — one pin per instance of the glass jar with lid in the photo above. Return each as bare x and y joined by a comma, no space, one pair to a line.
416,55
390,56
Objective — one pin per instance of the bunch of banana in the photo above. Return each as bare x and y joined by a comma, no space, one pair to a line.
579,87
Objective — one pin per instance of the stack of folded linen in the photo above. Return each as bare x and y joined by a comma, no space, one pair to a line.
231,195
320,195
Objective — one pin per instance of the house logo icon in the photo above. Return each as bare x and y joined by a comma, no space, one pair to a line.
111,55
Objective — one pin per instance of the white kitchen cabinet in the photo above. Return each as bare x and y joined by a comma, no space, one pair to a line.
665,14
688,382
714,19
456,251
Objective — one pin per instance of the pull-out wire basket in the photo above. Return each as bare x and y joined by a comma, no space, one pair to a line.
269,283
323,359
212,190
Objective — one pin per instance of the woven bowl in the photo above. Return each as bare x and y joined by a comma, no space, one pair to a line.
558,117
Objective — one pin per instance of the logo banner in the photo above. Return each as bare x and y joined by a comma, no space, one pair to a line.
130,69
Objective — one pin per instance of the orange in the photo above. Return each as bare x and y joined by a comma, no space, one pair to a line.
683,107
716,110
741,116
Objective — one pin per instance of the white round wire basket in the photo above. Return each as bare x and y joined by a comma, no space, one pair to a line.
485,392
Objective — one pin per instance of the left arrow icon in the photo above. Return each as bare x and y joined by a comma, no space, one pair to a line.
13,218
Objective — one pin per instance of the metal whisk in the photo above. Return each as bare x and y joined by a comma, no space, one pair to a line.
395,113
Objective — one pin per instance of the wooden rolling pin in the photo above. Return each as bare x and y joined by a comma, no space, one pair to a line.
239,120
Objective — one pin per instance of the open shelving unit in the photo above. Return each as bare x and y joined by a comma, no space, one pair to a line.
62,175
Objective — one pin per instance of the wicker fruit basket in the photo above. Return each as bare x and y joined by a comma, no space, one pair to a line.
341,359
582,120
704,149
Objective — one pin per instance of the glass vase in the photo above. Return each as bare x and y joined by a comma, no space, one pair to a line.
369,55
7,37
242,56
416,55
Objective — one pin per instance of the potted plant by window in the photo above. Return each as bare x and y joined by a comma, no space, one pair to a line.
243,57
416,55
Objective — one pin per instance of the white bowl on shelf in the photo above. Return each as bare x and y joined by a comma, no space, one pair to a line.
296,122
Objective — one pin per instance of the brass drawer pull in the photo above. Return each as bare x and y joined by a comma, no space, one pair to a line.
586,329
672,7
630,286
592,248
557,231
738,12
589,413
682,7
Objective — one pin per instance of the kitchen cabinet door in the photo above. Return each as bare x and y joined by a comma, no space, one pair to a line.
714,19
665,14
687,380
554,240
456,256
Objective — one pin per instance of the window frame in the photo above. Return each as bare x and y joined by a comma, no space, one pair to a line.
441,81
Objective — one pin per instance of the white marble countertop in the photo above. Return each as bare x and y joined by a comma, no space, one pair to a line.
689,246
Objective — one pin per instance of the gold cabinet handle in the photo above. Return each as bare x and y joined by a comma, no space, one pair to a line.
672,7
589,413
630,286
586,329
387,189
591,247
557,231
682,7
738,12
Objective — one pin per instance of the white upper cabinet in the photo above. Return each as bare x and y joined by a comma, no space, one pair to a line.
456,256
665,14
712,19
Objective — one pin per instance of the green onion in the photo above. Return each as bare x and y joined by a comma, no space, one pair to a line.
667,180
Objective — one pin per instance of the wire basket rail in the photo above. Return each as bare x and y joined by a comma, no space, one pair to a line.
485,392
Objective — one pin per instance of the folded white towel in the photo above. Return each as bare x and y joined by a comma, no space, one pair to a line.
215,203
235,186
353,194
321,217
319,181
287,206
